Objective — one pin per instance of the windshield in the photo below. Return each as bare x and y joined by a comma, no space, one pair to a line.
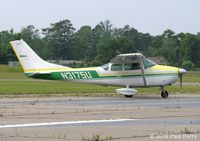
148,63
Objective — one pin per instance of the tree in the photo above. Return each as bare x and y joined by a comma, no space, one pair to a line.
59,38
32,36
84,44
188,64
99,44
106,28
165,45
102,34
108,49
6,53
190,45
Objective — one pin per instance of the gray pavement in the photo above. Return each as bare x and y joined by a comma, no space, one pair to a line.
151,117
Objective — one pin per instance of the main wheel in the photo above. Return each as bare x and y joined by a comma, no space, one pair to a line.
164,94
128,96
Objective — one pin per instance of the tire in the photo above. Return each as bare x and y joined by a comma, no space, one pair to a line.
128,96
164,94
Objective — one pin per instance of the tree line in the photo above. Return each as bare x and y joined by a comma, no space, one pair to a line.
96,46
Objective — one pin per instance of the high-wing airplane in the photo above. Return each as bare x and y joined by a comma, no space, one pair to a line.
127,70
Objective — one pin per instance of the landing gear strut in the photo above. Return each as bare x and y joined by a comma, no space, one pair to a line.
164,94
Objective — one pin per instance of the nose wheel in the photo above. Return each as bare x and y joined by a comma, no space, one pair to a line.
164,94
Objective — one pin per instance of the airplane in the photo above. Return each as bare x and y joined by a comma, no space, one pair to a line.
129,71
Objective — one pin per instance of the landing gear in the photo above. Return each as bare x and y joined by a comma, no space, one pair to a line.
128,96
164,94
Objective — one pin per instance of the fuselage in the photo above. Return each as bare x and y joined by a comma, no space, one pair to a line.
156,75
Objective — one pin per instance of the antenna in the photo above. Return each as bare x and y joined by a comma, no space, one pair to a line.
118,52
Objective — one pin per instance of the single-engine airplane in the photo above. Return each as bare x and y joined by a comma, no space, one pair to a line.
126,70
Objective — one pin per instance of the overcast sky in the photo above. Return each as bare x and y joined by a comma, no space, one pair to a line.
147,16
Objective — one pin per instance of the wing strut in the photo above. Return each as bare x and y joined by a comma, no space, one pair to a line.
143,71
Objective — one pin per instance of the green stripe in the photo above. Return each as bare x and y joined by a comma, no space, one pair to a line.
86,75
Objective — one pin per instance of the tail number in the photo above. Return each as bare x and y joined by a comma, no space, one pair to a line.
76,75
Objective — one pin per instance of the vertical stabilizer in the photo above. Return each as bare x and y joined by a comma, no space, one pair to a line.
29,60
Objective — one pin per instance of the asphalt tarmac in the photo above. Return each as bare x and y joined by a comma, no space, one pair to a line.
115,118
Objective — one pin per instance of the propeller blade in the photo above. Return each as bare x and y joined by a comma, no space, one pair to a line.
181,80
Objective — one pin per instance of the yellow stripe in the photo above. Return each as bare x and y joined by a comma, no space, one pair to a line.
58,69
166,68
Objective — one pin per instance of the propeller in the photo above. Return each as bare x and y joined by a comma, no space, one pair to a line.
181,71
181,80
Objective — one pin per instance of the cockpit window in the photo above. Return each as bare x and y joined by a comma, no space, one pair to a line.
132,66
105,67
148,63
116,67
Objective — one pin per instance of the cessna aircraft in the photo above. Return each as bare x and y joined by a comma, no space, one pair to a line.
126,70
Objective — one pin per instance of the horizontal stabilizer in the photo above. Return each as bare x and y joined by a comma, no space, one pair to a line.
42,72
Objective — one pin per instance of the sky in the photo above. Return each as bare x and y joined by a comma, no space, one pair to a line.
147,16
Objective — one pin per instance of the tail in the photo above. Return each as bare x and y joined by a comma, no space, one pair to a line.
29,60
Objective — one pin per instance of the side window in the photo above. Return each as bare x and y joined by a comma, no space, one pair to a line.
132,66
116,67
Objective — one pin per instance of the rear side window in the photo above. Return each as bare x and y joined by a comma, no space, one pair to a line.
116,67
132,66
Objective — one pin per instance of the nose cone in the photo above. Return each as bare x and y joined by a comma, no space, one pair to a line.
182,71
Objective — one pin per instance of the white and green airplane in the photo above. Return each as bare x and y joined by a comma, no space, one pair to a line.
126,70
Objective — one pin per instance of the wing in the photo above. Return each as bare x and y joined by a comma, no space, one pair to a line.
127,58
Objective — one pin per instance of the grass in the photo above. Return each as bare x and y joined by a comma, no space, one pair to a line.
13,81
96,137
192,76
11,72
172,89
12,75
48,87
5,68
57,87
